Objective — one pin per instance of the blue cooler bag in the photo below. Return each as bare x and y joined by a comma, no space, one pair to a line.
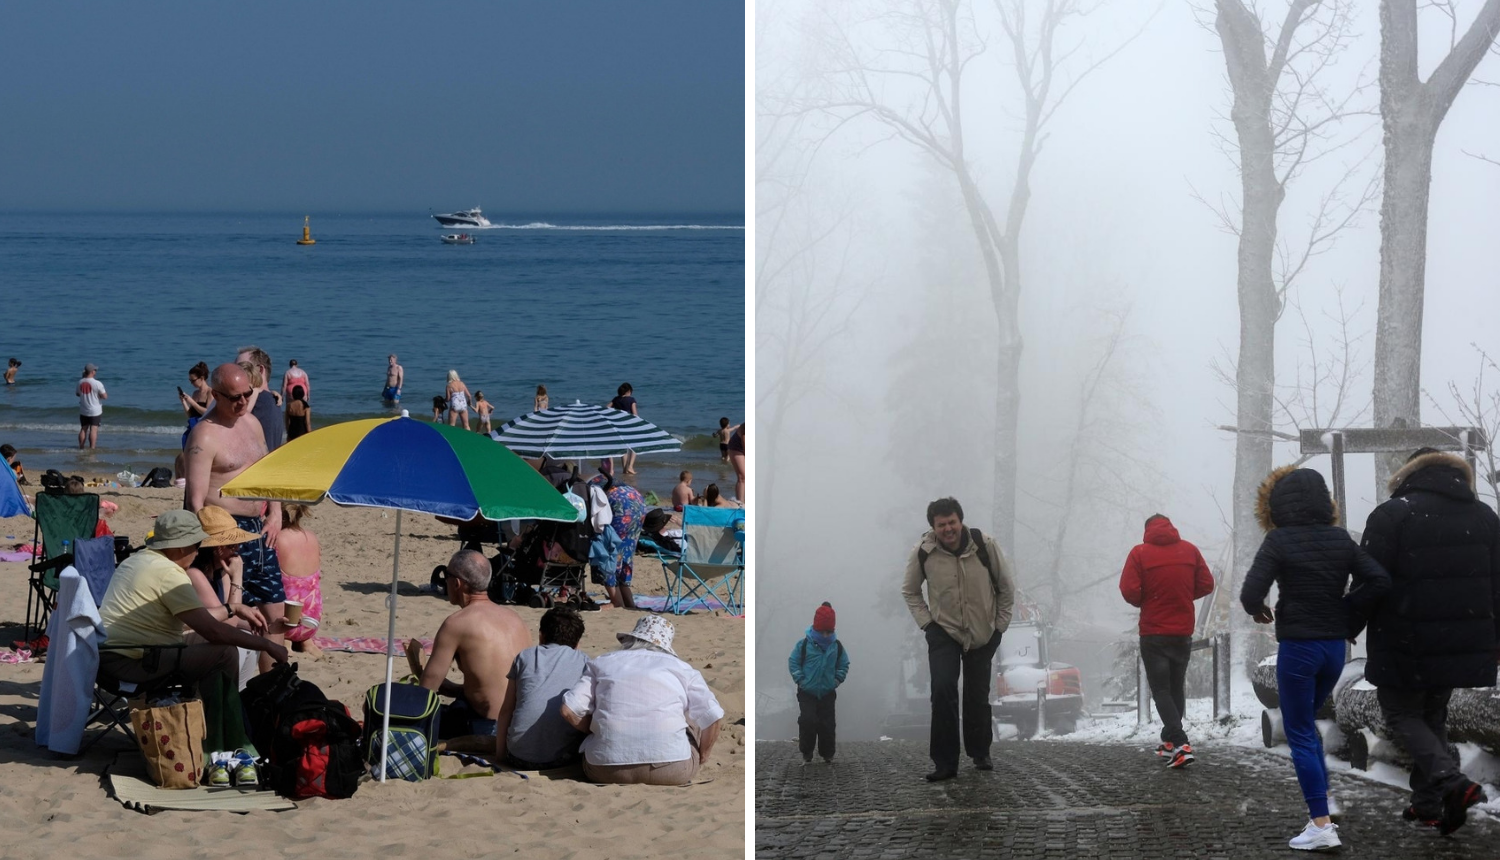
413,735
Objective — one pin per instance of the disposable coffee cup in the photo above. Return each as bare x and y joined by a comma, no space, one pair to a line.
293,612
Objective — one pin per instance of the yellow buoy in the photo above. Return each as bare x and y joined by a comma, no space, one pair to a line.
307,238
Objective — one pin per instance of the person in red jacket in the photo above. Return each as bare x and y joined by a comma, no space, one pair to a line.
1163,576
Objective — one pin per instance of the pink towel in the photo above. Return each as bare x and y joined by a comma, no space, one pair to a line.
364,644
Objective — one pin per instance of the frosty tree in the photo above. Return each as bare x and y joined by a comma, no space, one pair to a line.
1411,110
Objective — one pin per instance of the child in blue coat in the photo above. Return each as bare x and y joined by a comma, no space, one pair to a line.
818,665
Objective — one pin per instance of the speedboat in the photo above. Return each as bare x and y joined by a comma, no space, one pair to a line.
464,218
457,239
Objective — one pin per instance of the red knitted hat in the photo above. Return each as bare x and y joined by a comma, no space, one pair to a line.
823,618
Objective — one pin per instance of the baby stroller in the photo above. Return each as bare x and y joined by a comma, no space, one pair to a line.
548,568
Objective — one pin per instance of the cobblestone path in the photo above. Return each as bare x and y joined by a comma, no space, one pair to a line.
1071,800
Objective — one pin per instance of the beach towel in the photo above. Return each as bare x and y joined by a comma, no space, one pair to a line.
21,655
15,556
75,632
361,644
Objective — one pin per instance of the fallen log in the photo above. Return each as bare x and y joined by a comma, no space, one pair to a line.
1263,682
1473,717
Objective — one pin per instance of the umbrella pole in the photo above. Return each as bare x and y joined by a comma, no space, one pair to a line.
390,653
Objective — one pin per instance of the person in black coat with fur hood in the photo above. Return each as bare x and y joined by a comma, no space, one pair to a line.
1311,559
1440,625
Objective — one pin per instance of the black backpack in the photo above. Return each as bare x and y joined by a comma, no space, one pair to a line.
309,744
159,477
979,549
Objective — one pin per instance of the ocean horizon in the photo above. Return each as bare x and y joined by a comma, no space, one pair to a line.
580,302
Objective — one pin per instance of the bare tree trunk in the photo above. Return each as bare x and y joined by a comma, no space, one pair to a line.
1253,81
1411,111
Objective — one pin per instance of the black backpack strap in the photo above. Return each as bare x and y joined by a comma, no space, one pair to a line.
802,660
981,549
922,561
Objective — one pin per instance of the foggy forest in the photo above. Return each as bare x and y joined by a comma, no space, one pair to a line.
1077,262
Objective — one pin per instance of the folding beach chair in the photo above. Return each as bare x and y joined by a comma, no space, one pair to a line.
60,519
711,568
81,588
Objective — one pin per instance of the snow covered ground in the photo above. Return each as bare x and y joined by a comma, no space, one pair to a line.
1243,729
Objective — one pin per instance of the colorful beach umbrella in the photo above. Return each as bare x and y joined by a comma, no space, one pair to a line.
583,431
12,500
407,465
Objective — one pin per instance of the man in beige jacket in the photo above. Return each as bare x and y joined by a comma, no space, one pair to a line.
967,607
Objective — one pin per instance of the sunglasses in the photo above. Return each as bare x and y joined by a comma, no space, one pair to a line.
235,398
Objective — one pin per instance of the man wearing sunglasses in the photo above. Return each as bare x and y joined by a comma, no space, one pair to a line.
224,443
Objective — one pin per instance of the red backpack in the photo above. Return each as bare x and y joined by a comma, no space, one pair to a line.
310,745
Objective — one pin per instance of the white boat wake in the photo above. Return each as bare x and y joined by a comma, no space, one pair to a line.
543,225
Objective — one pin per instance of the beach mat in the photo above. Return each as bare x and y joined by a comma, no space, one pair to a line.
129,785
658,603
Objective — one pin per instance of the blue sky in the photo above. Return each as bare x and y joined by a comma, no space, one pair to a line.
351,106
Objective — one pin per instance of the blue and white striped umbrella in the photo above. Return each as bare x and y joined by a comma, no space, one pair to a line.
583,431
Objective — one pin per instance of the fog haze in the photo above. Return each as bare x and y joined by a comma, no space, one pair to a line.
876,334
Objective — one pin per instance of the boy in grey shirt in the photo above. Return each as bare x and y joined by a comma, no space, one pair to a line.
530,733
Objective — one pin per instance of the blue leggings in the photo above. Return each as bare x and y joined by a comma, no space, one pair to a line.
1306,671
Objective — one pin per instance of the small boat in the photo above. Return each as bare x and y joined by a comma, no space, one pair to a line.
463,218
457,239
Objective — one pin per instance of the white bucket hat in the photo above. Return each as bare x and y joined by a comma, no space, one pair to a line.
654,630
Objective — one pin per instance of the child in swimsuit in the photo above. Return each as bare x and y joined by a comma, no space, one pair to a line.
541,398
483,408
301,574
725,431
438,405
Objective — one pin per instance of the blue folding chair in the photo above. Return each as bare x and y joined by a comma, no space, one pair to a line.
711,569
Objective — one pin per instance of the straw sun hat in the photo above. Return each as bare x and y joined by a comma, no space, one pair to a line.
221,527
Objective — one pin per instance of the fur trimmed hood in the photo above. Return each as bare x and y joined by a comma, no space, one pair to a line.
1292,496
1438,459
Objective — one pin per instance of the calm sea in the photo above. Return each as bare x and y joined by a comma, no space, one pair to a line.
578,303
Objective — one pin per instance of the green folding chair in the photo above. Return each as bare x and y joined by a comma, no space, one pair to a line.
61,520
710,571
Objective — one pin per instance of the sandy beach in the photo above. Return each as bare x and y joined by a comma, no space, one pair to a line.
51,805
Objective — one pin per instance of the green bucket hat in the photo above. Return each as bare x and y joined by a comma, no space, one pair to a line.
175,529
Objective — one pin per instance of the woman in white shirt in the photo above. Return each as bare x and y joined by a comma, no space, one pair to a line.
650,717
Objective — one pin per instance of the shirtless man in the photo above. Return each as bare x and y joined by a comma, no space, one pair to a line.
484,638
682,494
226,442
394,376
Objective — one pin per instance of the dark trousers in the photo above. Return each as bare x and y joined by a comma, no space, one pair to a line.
1420,720
1166,661
214,668
945,660
815,724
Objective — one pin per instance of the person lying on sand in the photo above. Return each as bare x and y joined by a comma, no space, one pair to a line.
483,638
531,733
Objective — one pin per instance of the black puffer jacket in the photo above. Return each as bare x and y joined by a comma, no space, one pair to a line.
1311,560
1439,625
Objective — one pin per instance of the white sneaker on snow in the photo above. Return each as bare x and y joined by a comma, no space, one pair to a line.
1315,838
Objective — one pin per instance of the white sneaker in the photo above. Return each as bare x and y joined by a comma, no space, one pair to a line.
1315,838
1335,811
